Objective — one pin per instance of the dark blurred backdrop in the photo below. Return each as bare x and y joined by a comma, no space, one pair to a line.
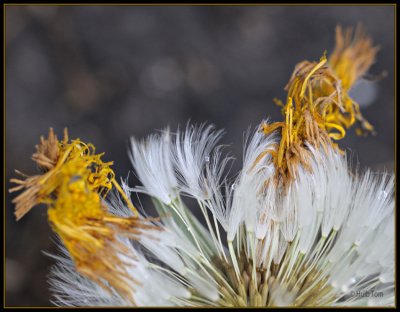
109,72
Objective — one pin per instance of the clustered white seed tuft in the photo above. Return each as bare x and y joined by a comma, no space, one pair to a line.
329,220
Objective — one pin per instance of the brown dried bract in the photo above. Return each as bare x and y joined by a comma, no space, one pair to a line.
46,157
353,55
47,151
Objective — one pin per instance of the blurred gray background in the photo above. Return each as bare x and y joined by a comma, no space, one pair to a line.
109,72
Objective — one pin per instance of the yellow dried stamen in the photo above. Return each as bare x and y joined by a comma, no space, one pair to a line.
51,156
322,108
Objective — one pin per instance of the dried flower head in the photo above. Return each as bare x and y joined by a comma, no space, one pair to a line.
318,106
72,185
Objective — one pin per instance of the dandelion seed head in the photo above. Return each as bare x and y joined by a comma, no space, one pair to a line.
294,228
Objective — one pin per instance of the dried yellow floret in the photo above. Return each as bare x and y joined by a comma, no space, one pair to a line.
73,183
318,108
52,156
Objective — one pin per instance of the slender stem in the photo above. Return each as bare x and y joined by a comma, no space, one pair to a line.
253,255
202,300
219,237
220,277
234,259
204,211
200,263
175,275
188,227
127,200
